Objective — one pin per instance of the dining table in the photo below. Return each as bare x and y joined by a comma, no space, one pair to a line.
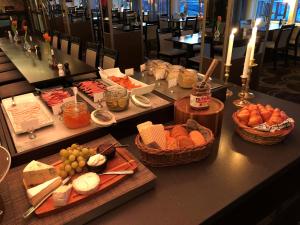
37,71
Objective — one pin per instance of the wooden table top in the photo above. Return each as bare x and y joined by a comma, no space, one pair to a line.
200,193
38,71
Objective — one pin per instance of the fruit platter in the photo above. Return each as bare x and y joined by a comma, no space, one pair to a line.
115,77
263,124
81,173
161,145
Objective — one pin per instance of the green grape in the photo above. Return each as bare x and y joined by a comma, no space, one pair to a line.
68,168
71,172
62,152
76,152
72,158
74,146
78,169
63,173
81,163
80,158
74,165
85,151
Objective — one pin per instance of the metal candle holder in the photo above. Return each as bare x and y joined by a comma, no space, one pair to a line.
227,71
248,94
241,102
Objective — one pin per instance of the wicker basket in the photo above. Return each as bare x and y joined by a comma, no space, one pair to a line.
160,158
260,137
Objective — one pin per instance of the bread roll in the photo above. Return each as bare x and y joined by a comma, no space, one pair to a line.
197,138
178,131
171,143
185,142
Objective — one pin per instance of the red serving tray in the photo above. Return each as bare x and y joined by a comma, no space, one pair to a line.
121,161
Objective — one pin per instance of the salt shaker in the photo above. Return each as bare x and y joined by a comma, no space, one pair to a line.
61,72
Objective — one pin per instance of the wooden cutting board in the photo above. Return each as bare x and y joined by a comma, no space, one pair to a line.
15,201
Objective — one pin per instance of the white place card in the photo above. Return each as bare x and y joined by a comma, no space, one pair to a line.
30,124
172,83
98,96
143,67
69,99
56,109
129,72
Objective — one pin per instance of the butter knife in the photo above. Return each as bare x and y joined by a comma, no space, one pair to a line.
33,208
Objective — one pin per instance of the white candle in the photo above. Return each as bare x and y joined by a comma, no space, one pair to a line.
230,46
253,40
247,60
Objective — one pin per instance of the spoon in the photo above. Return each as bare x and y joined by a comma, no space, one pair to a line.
75,91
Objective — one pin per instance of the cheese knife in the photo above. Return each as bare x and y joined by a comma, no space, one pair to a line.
121,172
33,208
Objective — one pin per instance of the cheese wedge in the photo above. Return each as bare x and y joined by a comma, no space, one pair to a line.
61,195
37,193
37,172
86,184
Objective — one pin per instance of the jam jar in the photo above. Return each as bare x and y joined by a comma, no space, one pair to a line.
200,96
76,115
117,99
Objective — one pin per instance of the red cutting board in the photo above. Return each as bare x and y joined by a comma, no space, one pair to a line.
121,161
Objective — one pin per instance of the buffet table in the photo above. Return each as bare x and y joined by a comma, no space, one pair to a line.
236,183
38,71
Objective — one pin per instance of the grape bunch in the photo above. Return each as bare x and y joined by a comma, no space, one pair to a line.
74,159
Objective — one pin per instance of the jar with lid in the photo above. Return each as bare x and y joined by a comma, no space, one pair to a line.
117,98
187,78
174,71
160,70
75,115
200,96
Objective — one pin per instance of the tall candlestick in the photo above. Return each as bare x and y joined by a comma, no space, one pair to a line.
247,60
230,46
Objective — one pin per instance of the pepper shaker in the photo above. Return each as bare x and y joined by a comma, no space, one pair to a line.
67,70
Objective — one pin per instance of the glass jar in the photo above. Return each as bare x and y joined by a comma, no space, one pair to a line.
187,78
117,99
174,71
200,96
76,115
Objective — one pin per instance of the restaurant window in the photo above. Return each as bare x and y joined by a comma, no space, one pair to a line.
191,7
263,8
280,10
298,13
156,6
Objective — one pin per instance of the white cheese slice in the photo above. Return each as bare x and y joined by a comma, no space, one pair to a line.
37,172
86,184
61,195
37,193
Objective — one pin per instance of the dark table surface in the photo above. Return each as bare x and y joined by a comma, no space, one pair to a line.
190,39
194,193
38,71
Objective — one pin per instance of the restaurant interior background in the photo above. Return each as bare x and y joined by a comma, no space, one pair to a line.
116,24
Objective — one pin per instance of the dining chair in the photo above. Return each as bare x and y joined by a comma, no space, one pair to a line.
16,88
75,48
190,22
165,47
108,57
294,42
55,40
208,53
91,54
64,44
150,36
281,43
163,23
10,77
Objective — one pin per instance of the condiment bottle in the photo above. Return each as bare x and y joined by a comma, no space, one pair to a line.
67,70
200,96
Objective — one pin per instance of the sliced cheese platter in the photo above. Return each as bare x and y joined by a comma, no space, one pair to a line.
82,173
115,77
